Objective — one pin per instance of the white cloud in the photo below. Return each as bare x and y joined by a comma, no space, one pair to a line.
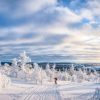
94,6
29,7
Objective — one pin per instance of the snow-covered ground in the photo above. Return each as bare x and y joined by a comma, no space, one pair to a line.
49,91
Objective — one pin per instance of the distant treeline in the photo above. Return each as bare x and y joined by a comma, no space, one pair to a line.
60,66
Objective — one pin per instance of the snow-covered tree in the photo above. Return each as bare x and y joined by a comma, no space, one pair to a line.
6,69
23,58
80,75
14,68
48,72
37,73
72,70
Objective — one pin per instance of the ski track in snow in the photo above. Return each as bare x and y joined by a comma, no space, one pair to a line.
52,92
41,93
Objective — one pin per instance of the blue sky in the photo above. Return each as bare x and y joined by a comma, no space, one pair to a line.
50,30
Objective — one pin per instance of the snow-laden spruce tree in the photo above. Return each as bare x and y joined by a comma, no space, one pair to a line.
14,62
48,72
54,73
85,75
62,76
23,58
80,75
37,73
44,76
92,75
6,69
14,68
29,72
67,76
95,76
72,72
51,72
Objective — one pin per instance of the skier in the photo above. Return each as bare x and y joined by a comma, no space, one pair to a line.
55,79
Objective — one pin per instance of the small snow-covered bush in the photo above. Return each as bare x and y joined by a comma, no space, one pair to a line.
4,81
